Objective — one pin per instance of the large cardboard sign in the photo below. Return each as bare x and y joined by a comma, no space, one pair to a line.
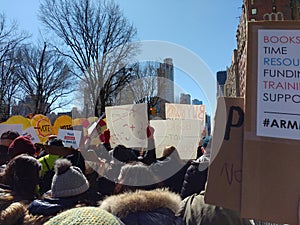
184,111
224,182
182,134
127,125
271,184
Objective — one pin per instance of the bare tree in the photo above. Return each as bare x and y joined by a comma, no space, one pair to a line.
10,39
143,87
96,38
45,77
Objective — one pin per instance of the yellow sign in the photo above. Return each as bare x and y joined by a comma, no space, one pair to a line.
42,126
19,120
62,122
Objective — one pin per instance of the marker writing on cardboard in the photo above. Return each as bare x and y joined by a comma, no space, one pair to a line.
232,174
230,123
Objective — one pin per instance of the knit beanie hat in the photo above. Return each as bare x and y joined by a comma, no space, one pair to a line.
21,145
68,180
84,216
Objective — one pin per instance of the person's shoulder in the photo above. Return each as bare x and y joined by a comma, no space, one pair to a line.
48,158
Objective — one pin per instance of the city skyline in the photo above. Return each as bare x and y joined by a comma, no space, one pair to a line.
204,29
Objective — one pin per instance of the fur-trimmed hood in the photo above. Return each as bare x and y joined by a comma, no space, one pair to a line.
13,214
13,210
141,200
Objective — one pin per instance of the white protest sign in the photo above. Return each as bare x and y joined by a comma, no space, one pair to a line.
278,83
127,125
11,127
185,111
31,133
70,138
182,134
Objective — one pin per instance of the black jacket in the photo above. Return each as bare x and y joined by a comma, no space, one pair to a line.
195,178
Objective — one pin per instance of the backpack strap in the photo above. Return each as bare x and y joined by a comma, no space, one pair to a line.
45,161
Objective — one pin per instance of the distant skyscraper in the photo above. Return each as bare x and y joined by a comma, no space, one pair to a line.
197,102
221,79
165,85
185,98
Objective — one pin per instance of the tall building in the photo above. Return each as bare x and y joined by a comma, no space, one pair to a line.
165,87
197,102
165,74
231,88
221,79
185,99
23,107
27,106
255,10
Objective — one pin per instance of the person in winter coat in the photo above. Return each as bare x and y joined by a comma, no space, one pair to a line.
144,207
170,169
47,162
195,211
18,184
134,176
69,188
21,175
196,174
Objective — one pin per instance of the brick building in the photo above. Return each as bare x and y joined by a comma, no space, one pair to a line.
254,10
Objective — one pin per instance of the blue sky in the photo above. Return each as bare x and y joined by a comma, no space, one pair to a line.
207,29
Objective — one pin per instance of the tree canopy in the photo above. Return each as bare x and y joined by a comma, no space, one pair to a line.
96,37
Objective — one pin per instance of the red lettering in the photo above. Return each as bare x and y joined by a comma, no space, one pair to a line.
69,138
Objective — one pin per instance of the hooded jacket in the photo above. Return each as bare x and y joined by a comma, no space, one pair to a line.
195,211
142,207
13,209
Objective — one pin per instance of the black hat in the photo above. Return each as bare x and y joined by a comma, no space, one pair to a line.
11,135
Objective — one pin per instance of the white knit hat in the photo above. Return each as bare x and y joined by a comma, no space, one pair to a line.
68,180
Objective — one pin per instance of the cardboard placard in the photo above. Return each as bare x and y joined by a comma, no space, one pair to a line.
185,111
70,138
62,122
225,170
182,134
271,184
42,126
127,125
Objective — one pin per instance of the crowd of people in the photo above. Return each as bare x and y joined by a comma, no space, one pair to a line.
104,185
